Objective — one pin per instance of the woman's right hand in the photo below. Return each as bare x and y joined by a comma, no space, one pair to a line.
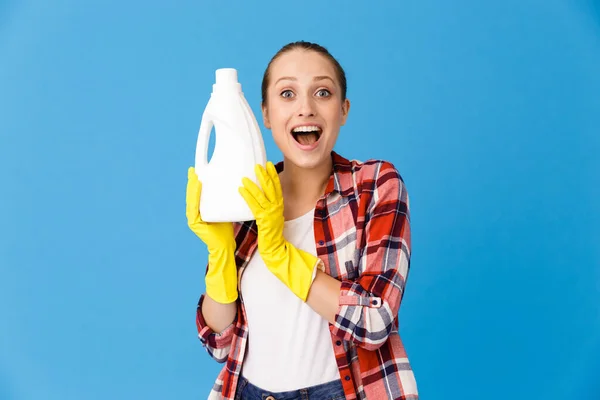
221,277
216,236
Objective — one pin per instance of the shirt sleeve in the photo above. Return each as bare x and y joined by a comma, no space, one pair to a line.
217,344
368,306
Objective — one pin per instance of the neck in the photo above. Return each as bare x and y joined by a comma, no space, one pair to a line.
302,187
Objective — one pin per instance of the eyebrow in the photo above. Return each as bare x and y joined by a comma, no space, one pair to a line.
316,78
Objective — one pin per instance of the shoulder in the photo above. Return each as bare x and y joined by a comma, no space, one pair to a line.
376,173
378,185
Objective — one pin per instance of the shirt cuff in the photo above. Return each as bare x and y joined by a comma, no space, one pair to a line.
353,294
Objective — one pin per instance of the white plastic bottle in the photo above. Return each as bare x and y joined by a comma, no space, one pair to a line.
238,148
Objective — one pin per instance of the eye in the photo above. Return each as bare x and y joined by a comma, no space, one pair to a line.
287,94
323,93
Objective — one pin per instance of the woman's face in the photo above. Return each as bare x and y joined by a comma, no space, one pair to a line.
304,109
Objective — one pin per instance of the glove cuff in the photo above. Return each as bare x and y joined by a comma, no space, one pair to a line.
221,277
302,271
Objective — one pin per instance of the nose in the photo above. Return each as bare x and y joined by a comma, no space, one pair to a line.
306,107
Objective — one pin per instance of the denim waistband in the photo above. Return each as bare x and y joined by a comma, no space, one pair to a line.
327,391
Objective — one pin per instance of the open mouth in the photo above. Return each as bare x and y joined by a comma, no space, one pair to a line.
307,135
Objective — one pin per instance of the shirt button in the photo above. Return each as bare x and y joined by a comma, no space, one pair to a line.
270,398
347,378
339,343
321,242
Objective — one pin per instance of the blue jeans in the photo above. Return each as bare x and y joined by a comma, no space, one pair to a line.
326,391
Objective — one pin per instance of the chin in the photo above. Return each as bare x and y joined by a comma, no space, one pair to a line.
308,159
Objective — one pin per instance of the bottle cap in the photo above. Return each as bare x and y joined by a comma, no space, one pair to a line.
226,75
226,79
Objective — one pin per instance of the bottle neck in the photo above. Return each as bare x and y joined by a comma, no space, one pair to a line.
227,87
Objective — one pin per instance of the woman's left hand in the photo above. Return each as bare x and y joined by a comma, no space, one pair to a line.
267,208
294,267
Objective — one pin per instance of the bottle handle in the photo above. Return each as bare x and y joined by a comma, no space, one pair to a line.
201,161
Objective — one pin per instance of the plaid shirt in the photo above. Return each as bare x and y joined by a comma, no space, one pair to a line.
362,233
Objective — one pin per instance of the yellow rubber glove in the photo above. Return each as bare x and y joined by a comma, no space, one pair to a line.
294,267
221,277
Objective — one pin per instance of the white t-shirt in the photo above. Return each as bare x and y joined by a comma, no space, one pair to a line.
289,344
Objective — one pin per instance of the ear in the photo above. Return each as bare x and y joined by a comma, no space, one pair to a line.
345,110
265,116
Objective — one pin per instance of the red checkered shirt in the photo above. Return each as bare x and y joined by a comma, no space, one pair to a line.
362,234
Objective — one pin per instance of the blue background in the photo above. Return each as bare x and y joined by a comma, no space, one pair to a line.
490,110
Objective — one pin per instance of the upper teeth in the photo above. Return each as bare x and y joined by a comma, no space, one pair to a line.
306,129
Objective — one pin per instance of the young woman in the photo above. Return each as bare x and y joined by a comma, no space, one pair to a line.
302,302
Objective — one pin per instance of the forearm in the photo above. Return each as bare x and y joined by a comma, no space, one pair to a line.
355,314
218,316
324,295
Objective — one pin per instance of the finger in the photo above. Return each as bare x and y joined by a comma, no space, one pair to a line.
256,193
265,182
194,187
275,179
255,207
